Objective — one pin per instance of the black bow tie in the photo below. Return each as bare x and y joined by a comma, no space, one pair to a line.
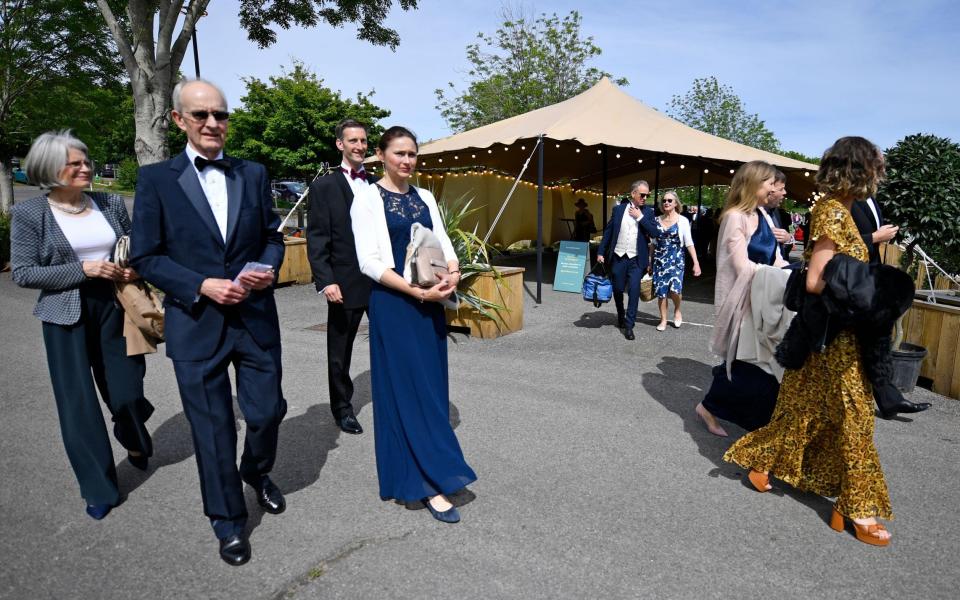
219,163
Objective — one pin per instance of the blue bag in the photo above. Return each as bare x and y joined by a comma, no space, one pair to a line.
597,288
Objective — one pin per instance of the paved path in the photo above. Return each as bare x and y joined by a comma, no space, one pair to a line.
595,481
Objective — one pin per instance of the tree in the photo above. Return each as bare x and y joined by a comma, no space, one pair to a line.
50,59
525,65
714,108
288,124
921,195
153,61
799,156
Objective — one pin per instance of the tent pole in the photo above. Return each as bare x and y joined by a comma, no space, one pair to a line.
540,220
700,192
656,181
603,150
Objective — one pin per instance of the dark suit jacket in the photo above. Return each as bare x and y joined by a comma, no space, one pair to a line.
330,243
176,244
866,225
612,232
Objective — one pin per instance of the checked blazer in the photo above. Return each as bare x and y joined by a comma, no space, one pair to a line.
42,258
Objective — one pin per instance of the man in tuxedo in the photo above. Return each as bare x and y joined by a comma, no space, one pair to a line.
869,220
625,250
199,218
780,217
336,272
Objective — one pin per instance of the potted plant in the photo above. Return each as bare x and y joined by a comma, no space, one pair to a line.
922,196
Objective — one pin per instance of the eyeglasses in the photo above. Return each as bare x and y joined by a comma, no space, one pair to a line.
77,164
203,115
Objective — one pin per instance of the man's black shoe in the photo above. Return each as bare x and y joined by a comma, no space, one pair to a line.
349,424
269,497
904,407
235,550
629,334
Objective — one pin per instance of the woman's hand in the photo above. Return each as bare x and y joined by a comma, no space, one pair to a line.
437,293
696,270
102,269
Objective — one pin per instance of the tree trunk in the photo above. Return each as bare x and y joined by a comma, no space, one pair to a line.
6,187
152,118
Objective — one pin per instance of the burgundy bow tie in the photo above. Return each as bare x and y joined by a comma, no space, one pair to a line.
354,174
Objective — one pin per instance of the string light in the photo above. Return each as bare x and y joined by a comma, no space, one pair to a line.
618,156
441,160
706,170
558,145
455,157
640,162
523,147
473,156
490,151
578,150
806,173
683,166
731,171
663,162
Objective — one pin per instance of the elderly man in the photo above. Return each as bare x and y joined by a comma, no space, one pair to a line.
625,250
204,232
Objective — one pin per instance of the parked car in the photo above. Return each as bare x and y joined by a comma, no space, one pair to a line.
108,170
287,190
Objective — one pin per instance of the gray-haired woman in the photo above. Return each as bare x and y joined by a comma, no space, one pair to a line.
61,243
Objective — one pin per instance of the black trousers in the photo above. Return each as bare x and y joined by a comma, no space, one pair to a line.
85,357
342,325
208,404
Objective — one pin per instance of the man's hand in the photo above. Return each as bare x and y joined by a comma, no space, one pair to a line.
635,212
127,275
255,281
223,291
885,234
600,258
783,236
102,269
332,294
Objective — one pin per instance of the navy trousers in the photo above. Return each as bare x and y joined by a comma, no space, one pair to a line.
625,274
208,404
85,357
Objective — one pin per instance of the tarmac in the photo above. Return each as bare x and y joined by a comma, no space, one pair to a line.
595,481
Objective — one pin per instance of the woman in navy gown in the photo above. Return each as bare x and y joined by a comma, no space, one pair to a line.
418,455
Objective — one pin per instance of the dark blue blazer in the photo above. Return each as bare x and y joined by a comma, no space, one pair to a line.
176,244
647,229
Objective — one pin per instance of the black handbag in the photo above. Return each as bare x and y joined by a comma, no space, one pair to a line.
796,289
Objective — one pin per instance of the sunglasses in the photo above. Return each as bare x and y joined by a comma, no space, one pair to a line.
203,115
667,200
642,195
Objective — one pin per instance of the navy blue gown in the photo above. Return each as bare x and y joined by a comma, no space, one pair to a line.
418,454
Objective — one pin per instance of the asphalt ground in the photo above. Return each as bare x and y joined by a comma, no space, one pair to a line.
595,481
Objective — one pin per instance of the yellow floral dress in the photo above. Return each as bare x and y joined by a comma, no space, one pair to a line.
820,438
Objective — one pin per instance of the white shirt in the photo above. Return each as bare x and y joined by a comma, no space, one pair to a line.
90,236
355,184
873,209
214,184
629,229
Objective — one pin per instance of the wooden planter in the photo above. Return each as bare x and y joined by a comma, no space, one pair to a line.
936,327
295,267
508,293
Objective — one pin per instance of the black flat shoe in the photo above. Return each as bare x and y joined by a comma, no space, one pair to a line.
629,334
141,461
904,407
235,550
99,511
349,424
269,496
451,515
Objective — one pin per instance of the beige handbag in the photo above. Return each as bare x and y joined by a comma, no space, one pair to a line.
424,262
646,288
143,311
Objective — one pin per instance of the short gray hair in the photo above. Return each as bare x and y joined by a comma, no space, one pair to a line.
178,90
638,183
48,156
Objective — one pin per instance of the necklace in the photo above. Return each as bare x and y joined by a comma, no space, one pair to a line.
67,209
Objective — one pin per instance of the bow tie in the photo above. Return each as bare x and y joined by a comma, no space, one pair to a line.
354,174
219,163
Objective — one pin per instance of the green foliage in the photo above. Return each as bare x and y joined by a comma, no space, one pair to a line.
472,254
127,173
799,156
527,64
288,124
714,108
922,196
256,16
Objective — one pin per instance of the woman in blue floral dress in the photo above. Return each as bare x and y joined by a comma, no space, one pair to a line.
673,235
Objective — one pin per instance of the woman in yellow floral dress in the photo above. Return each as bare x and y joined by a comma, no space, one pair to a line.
820,438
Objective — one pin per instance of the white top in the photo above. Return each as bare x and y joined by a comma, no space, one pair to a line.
90,236
873,209
627,241
683,229
374,250
355,184
214,184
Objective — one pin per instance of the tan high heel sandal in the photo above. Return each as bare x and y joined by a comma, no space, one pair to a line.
865,533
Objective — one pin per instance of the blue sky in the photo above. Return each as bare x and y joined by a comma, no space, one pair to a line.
814,70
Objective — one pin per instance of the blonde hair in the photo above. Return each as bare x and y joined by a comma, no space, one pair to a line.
851,168
742,195
678,206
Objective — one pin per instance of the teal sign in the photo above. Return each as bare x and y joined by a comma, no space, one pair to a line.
571,266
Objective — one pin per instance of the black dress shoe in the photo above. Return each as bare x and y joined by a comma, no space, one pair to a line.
141,461
904,406
629,334
235,550
269,496
349,424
